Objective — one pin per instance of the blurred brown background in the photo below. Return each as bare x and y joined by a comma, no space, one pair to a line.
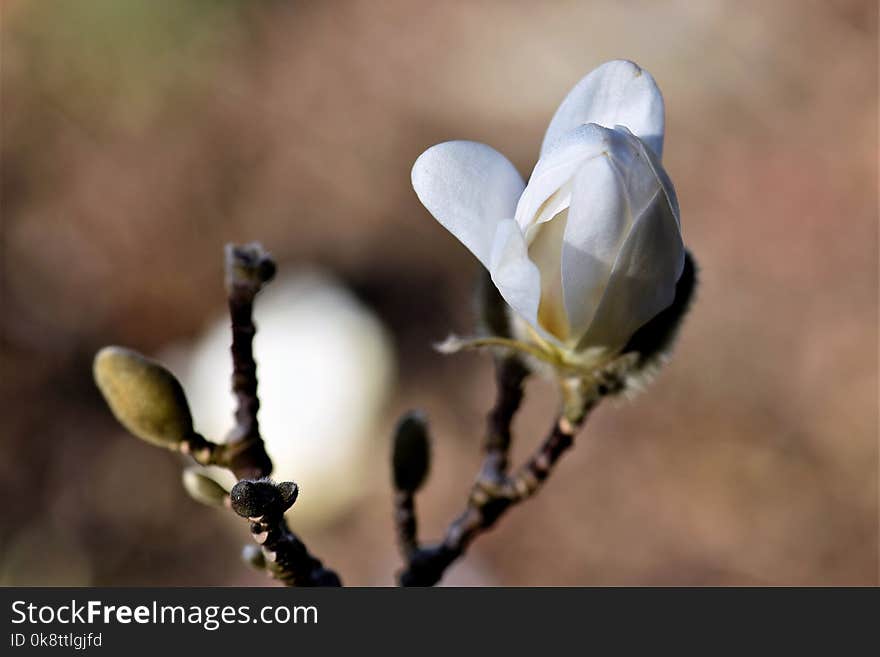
140,136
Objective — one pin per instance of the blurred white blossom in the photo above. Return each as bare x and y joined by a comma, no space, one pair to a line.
325,367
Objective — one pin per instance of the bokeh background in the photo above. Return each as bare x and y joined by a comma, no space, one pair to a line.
140,136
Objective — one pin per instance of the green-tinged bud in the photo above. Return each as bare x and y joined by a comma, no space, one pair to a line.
144,396
253,556
203,488
411,455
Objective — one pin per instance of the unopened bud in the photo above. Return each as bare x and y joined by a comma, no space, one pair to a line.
144,396
203,488
289,491
411,455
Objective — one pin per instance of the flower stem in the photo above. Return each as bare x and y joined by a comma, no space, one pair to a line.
248,268
494,491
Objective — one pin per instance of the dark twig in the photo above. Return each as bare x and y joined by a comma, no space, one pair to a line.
406,523
510,374
286,557
494,491
485,506
528,480
248,268
254,497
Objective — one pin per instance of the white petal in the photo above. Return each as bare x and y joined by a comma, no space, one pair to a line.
546,193
610,194
643,279
516,277
665,182
598,222
616,93
468,187
545,251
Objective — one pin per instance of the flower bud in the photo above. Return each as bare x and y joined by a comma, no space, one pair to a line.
203,488
144,396
411,455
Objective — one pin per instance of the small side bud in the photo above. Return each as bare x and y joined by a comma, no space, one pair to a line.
289,491
411,455
253,556
144,396
203,488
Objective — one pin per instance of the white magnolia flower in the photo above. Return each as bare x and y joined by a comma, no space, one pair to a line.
591,248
